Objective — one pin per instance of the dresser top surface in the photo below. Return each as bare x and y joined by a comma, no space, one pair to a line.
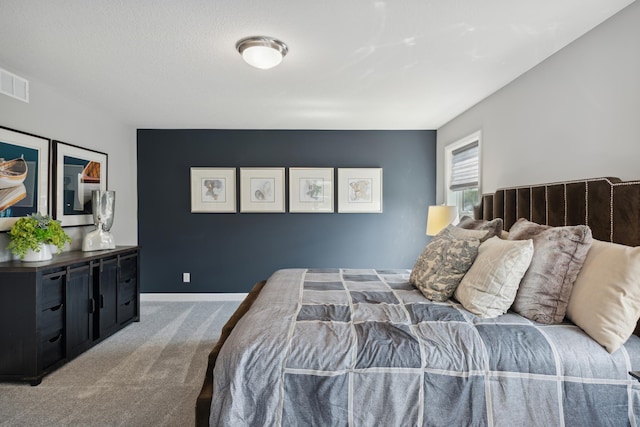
62,259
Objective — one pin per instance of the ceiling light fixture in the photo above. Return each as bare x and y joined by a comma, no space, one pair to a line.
261,51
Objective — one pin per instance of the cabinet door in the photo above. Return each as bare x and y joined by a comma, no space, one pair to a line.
107,300
80,308
18,327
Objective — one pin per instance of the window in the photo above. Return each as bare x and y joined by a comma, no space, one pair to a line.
462,174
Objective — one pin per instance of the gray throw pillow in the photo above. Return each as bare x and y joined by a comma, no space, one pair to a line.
558,255
444,262
495,225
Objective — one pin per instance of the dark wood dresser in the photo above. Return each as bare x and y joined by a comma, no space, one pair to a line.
52,311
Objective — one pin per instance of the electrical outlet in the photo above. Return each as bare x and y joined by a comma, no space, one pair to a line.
186,277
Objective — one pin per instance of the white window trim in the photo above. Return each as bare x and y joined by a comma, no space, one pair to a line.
448,157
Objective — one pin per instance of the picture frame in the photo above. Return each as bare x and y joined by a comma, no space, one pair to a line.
77,172
262,190
360,190
213,190
24,180
311,190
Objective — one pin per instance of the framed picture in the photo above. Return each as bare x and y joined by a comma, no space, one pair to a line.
24,176
261,189
360,190
311,190
213,189
77,172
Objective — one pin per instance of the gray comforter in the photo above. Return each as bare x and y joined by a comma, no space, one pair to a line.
330,347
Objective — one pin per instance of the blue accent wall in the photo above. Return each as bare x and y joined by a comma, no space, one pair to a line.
230,252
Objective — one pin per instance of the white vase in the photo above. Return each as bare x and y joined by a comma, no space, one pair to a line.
103,204
43,255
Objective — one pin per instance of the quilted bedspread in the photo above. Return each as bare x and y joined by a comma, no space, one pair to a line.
341,347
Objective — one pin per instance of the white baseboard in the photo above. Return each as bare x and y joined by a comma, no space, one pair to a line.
192,297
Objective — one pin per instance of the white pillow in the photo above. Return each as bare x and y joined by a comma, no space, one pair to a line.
489,287
605,300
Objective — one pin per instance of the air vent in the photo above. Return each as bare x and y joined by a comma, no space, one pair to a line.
14,86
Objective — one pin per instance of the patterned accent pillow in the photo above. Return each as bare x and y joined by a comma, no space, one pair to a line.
495,225
490,285
559,253
444,262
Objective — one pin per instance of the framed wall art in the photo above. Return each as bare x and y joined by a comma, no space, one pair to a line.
360,190
77,172
24,176
311,190
213,190
262,190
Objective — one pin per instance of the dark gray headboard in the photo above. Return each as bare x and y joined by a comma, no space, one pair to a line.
609,206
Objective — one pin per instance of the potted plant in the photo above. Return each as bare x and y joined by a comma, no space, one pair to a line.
31,236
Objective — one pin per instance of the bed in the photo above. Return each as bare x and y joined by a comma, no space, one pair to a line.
366,347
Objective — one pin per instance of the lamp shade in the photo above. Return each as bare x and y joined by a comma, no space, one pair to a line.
439,217
261,51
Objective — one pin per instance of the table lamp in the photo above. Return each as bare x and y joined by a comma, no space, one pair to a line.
439,217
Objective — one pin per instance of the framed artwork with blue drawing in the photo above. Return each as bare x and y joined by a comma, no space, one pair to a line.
24,176
262,190
360,190
311,190
213,190
77,172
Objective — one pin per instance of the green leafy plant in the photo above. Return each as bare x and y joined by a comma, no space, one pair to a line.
32,230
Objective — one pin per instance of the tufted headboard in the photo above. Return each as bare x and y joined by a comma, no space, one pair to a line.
609,206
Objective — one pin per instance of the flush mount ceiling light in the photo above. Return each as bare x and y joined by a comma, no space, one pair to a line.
261,51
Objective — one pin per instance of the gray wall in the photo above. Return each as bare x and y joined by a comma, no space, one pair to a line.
230,252
576,115
52,114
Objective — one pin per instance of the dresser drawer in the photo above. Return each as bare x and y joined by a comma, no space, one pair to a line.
51,320
127,289
128,267
126,311
52,290
52,349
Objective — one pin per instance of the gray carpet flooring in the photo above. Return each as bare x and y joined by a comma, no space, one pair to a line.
148,374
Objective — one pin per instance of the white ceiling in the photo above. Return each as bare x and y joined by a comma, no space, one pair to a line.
352,64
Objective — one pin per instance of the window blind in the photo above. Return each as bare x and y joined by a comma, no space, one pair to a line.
464,167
